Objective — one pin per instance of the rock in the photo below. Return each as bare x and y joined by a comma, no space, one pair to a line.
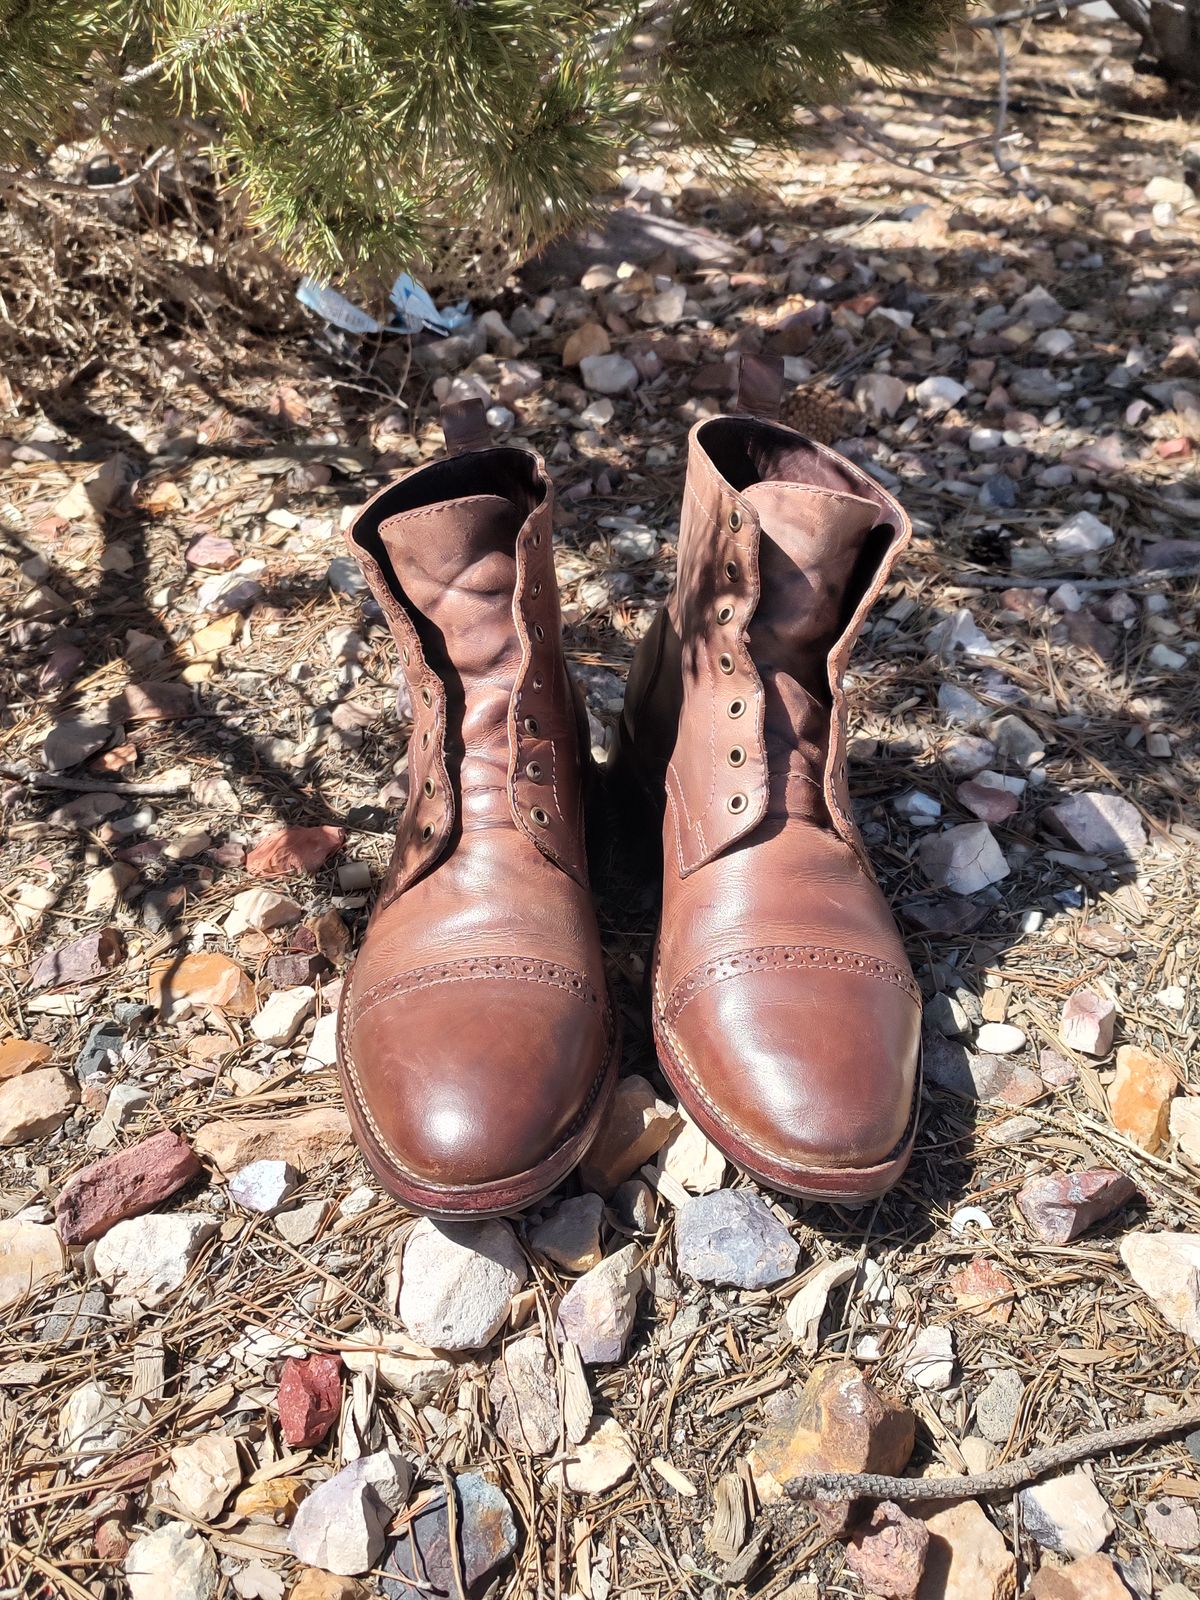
80,961
457,1282
1166,1267
1060,1206
93,1423
212,552
608,374
421,1565
1000,1038
73,1317
123,1185
405,1367
634,1203
340,1526
1173,1523
1067,1514
283,1015
21,1055
930,1359
1087,1023
197,982
880,395
1080,535
998,1404
203,1475
1139,1097
263,909
1017,741
692,1159
997,1080
945,1014
1185,1126
597,1313
991,796
1056,1069
264,1186
171,1560
275,1500
589,340
964,859
888,1552
1090,1578
145,1259
293,850
524,1396
637,1126
968,1557
71,741
966,754
570,1235
839,1422
305,1139
663,310
939,393
309,1399
602,1459
982,1289
301,1226
35,1104
733,1237
1100,824
917,807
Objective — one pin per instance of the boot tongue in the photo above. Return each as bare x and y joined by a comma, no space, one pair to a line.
811,541
456,563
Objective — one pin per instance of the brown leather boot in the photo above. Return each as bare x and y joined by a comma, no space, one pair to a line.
476,1042
785,1012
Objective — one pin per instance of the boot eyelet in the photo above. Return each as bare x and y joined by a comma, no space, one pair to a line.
737,756
737,803
538,680
539,633
536,540
534,591
405,655
540,817
534,771
427,831
725,614
531,725
425,737
725,662
731,571
735,520
736,707
426,697
429,788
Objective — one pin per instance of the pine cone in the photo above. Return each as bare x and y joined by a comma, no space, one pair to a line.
819,415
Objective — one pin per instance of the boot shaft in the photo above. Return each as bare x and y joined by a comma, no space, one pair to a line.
459,556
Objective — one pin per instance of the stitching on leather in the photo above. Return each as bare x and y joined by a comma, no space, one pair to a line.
352,1082
467,969
684,1065
783,958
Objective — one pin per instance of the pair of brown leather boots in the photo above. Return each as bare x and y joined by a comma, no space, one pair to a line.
478,1044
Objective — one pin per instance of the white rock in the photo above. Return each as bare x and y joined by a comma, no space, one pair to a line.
203,1474
930,1360
598,415
609,374
457,1280
964,859
31,1254
918,808
1080,535
598,1310
1000,1038
1016,740
1185,1126
1100,824
173,1562
570,1234
260,908
939,393
959,706
264,1185
340,1527
1067,1514
692,1159
322,1044
400,1364
807,1306
1166,1267
880,394
35,1103
283,1015
664,309
601,1461
93,1423
145,1259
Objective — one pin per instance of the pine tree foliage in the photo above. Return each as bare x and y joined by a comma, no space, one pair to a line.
364,130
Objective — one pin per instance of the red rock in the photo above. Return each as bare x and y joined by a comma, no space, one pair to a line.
310,1398
82,959
292,850
21,1055
112,1541
123,1185
1060,1206
983,1290
1089,1578
152,702
888,1552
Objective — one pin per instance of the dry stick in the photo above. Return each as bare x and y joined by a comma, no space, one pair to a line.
47,780
1132,580
999,1480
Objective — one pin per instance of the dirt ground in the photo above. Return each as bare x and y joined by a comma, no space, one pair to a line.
159,362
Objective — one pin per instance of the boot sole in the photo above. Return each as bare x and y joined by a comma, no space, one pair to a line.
499,1197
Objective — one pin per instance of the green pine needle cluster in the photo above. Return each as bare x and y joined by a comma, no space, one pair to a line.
361,131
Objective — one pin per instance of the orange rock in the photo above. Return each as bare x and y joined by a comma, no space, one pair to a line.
589,340
1089,1578
200,981
983,1290
21,1055
1139,1097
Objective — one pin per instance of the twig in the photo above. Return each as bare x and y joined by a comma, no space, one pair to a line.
47,780
215,33
36,183
1041,8
999,1480
1132,580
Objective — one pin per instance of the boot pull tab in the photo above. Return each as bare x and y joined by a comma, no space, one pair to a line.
464,424
758,387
